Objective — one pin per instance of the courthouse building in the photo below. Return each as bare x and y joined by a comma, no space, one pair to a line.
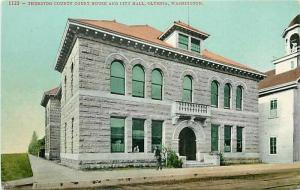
279,102
126,89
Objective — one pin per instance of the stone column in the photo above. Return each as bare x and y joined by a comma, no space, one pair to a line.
233,139
147,136
221,138
128,134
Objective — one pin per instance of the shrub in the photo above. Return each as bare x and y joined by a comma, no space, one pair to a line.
171,159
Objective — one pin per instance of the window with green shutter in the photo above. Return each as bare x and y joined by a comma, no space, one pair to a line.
117,126
214,94
273,108
138,81
183,42
227,96
156,84
117,78
187,89
227,138
138,135
195,45
214,138
239,97
239,139
156,134
273,148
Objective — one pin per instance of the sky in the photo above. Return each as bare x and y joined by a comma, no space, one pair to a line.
246,31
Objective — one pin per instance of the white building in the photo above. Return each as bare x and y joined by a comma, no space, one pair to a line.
279,103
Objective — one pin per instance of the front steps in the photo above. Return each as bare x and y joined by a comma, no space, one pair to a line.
196,164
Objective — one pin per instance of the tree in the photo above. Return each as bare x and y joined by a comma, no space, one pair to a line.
33,147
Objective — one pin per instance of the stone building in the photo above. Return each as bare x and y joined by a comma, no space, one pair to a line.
51,102
279,102
126,89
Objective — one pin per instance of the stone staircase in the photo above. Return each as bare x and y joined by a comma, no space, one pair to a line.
196,164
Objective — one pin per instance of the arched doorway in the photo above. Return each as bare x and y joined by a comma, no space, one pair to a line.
187,144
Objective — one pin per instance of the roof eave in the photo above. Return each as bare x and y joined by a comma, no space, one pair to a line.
76,23
289,28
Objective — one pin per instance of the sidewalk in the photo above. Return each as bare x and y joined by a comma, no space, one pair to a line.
47,174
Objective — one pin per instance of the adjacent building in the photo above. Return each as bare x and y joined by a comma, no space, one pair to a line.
51,102
279,103
126,89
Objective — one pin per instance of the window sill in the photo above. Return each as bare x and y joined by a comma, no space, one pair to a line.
275,117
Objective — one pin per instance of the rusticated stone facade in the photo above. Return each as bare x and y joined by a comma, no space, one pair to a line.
87,103
51,102
92,105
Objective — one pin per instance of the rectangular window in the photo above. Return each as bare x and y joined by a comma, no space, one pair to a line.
72,135
138,135
65,88
273,145
183,42
46,117
214,138
227,138
117,126
72,74
65,137
273,108
239,139
156,134
195,45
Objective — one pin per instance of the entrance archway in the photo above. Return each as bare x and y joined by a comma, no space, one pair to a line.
187,143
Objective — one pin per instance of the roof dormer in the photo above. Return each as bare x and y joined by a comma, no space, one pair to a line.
184,36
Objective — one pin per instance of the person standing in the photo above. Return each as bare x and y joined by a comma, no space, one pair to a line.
157,155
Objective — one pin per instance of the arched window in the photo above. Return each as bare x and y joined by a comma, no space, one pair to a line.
227,96
138,81
214,89
117,78
239,97
187,89
156,84
294,42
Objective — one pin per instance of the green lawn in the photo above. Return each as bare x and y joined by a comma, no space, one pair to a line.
15,166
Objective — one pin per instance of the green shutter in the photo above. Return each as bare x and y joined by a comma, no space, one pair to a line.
183,42
239,95
239,139
227,91
117,78
138,134
157,84
187,89
156,133
227,138
138,81
117,134
214,94
195,45
214,138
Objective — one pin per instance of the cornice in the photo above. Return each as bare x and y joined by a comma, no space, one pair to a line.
73,29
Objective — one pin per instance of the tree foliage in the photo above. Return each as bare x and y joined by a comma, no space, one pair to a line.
35,144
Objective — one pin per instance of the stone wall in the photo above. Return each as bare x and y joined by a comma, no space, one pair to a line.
94,104
52,131
297,124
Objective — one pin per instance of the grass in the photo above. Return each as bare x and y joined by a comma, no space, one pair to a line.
15,166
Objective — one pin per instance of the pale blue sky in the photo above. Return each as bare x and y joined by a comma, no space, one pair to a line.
248,32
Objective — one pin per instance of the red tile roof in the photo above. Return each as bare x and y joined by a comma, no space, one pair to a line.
147,33
184,25
47,94
282,78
